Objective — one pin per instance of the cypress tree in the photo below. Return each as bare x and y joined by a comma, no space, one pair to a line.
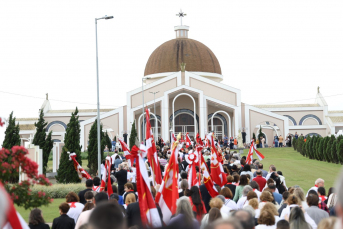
40,139
328,148
319,149
308,147
300,143
340,150
254,137
294,143
303,149
93,147
12,137
334,155
66,173
325,144
133,135
108,141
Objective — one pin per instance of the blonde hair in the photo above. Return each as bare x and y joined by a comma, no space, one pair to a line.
270,208
130,198
299,193
216,203
254,203
327,223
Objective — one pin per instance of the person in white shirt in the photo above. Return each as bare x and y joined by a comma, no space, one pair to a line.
243,199
75,206
318,183
84,216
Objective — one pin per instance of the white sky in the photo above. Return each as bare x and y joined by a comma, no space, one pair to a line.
274,51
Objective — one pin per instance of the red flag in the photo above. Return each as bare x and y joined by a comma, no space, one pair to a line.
104,176
148,210
1,123
258,154
152,153
126,150
217,172
173,138
11,216
188,141
192,159
250,154
168,193
207,179
81,172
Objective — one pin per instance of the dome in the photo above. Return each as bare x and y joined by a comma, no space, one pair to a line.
168,57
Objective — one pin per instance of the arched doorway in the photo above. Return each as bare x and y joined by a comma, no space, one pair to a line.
218,127
184,123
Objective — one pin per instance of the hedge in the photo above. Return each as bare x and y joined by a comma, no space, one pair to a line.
329,148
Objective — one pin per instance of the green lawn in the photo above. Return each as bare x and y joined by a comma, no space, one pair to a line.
297,169
49,213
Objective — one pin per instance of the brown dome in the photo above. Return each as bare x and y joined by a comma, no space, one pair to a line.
168,57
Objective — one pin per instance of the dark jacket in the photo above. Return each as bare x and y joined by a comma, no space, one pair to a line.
39,226
63,222
206,197
82,195
121,176
133,215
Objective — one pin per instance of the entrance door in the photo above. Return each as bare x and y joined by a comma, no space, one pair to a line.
184,123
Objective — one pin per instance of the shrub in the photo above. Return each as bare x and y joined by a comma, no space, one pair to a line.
59,190
303,149
319,150
294,143
325,144
300,143
334,155
340,151
308,147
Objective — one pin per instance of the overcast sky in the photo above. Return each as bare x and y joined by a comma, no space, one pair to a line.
274,51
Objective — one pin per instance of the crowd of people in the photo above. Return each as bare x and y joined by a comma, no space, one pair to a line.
251,198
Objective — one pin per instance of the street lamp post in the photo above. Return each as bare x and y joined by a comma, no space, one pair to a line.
97,83
143,106
156,126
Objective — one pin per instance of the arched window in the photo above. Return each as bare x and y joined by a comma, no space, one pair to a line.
218,127
184,123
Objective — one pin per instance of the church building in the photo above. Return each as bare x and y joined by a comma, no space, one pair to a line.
183,90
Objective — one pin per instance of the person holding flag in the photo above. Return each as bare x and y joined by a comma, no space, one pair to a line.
217,171
152,153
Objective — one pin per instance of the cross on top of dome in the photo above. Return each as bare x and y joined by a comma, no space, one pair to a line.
181,15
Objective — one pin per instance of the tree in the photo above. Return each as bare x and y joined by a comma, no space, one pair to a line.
340,151
294,143
254,137
21,193
328,148
108,141
334,155
319,149
12,137
325,144
308,147
40,139
93,147
133,135
260,134
66,172
300,143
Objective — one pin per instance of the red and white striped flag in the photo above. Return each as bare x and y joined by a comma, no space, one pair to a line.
258,154
9,217
192,160
152,152
172,138
126,150
148,210
168,193
250,154
104,177
217,171
188,140
80,171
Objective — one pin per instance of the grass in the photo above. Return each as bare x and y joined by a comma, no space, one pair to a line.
49,168
49,212
299,170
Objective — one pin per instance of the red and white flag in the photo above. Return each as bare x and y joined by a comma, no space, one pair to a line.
188,140
126,150
152,152
9,217
258,154
172,138
168,193
250,154
217,171
104,177
192,160
80,171
207,179
148,210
